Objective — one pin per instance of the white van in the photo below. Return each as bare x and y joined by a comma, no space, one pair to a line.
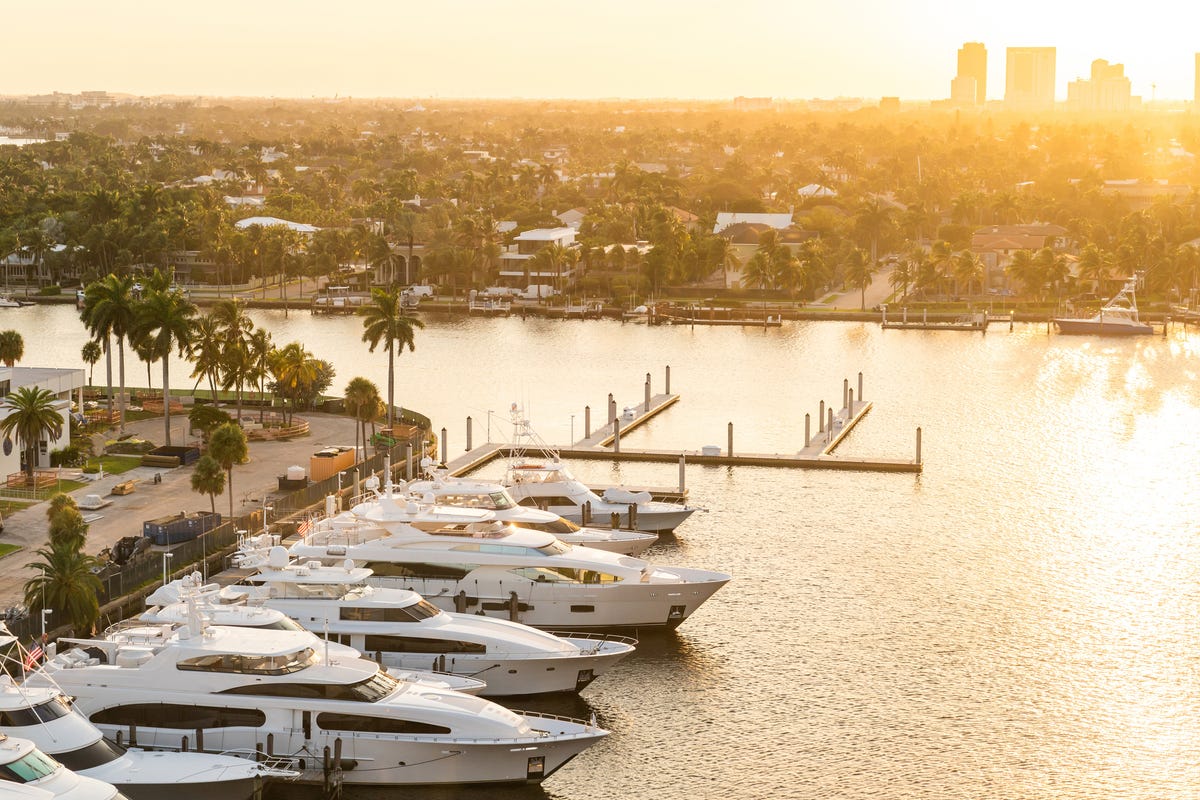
535,290
421,291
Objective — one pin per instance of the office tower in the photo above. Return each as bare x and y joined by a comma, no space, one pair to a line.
1029,78
972,66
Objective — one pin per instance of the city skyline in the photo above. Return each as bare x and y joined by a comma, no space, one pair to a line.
535,49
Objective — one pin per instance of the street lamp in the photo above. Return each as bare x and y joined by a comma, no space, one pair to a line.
167,555
45,613
266,510
572,429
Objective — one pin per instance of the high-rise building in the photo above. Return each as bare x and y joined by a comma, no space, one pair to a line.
1029,78
972,66
1107,90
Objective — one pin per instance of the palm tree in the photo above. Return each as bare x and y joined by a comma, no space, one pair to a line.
31,415
91,353
108,314
968,268
759,271
873,219
362,401
12,347
258,354
66,583
860,271
384,321
208,478
164,323
1024,268
295,369
227,446
1095,265
206,351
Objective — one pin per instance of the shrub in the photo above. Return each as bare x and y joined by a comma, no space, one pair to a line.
50,291
70,456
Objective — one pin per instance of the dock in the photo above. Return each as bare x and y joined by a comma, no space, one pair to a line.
816,452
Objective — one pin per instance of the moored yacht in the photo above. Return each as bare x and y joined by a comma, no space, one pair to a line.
292,695
1117,317
442,489
401,630
465,560
27,772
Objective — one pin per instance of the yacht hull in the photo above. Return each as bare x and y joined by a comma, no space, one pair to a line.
1101,328
648,520
624,542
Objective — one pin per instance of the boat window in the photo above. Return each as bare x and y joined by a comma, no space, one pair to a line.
543,575
499,549
98,752
565,575
181,716
407,644
30,767
372,690
391,569
43,712
557,526
546,501
414,613
361,724
284,664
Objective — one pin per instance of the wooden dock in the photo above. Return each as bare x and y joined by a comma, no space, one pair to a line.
818,452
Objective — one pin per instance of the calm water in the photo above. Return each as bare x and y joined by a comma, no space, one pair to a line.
1021,620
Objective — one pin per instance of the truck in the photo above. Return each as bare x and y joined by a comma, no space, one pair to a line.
538,291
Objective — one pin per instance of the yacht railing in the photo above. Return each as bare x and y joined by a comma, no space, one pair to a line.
599,638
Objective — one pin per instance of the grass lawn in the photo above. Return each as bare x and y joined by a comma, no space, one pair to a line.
12,506
5,549
115,465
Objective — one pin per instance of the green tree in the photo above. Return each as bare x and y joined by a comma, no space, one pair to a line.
12,347
164,323
227,446
91,353
297,375
66,583
385,322
860,271
209,478
363,402
68,528
31,415
108,314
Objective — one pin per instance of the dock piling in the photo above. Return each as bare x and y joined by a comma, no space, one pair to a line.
616,435
829,426
612,409
845,392
587,422
444,455
666,389
729,451
860,394
821,418
682,469
807,429
918,445
468,447
647,392
850,402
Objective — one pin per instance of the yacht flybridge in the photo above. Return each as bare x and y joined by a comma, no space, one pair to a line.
1117,317
444,490
293,695
465,560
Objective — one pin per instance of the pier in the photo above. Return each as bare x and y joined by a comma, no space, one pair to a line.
604,443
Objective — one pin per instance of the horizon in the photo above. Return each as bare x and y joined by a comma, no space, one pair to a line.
534,50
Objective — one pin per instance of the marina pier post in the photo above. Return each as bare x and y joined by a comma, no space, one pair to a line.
729,450
587,422
468,447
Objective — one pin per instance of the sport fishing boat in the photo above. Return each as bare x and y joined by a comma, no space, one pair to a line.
1117,317
536,477
29,774
295,697
399,629
442,489
465,560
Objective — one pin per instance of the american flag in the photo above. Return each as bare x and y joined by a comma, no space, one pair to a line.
33,656
304,527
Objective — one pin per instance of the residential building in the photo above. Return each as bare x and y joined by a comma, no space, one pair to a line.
969,86
62,383
572,217
727,218
517,268
1029,77
995,245
1107,90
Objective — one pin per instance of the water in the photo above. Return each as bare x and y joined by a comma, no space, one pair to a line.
1020,620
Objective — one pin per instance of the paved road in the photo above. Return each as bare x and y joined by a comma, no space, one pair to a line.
124,517
878,292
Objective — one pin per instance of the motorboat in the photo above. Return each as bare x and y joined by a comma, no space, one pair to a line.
294,697
170,604
1117,317
442,489
8,301
28,773
537,477
466,560
46,717
400,629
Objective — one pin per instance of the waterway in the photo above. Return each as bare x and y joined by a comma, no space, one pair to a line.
1020,620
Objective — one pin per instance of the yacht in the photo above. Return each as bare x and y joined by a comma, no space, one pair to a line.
466,560
302,700
45,717
1117,317
536,477
444,490
27,772
401,630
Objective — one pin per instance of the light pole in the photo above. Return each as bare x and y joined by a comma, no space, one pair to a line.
45,613
490,412
572,429
266,510
167,556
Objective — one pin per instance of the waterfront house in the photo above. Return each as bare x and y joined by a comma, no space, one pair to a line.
62,383
518,268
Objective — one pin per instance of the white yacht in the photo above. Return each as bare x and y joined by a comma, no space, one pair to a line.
1117,317
444,490
45,717
536,477
465,560
28,773
297,698
401,630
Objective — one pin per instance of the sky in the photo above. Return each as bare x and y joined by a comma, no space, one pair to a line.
569,49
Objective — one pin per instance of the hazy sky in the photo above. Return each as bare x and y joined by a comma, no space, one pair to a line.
603,48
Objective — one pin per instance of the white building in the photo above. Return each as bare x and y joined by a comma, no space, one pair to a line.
62,383
515,260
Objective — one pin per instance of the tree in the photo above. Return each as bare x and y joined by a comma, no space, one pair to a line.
31,415
164,323
968,269
362,401
66,583
68,528
207,418
12,347
384,322
860,271
227,446
209,478
91,353
108,314
296,373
